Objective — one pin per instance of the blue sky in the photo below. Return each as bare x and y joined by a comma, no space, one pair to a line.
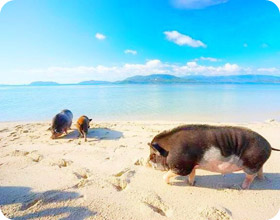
70,41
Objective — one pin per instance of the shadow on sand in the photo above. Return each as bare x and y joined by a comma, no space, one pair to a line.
27,198
232,181
96,133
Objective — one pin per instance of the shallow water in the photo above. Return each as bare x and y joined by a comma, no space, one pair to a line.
203,102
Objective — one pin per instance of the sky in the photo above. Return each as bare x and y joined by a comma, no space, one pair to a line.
69,41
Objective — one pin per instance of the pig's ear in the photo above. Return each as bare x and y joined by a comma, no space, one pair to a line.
162,152
90,119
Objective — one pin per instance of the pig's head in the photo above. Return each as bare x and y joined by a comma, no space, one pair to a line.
56,133
89,120
158,157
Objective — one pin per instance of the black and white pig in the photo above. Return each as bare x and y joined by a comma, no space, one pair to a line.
221,149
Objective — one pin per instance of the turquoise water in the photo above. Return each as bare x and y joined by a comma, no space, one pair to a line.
225,103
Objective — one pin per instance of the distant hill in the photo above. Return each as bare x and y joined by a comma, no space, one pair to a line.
93,82
41,83
171,79
154,79
233,79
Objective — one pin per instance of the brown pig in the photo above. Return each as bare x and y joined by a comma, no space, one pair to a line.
83,126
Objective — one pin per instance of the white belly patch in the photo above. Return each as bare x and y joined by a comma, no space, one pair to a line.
214,161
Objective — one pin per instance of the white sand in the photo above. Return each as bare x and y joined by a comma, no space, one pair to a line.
70,179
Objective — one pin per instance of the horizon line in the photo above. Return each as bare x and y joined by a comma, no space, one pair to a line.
54,83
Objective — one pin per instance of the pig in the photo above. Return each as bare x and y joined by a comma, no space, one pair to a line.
221,149
83,126
61,123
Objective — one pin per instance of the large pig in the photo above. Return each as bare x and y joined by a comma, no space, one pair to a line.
61,123
221,149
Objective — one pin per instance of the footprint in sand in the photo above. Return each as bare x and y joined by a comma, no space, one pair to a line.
121,179
35,157
17,153
14,138
215,213
4,130
97,181
154,202
62,163
12,134
82,183
82,174
34,137
18,127
31,200
35,199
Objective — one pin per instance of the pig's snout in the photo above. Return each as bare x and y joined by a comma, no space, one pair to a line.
55,135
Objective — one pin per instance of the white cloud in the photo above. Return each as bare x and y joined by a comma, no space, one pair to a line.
268,70
128,51
211,59
181,39
276,2
120,72
196,4
100,36
193,68
150,67
3,2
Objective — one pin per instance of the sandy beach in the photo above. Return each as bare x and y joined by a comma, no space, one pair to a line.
105,178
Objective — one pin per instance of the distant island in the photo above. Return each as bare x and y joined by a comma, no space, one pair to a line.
171,79
154,79
234,79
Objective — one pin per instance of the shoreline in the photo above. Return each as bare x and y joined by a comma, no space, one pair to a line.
104,178
176,121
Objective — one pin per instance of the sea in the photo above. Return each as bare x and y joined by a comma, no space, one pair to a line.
130,102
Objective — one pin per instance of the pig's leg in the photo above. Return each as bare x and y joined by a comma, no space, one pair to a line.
260,174
192,177
85,136
169,175
248,180
66,132
80,133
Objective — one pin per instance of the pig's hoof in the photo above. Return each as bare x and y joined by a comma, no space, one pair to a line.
167,182
245,186
192,183
166,179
